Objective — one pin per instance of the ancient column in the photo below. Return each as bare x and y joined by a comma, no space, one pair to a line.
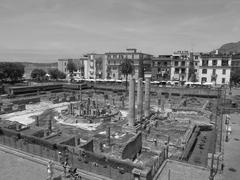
50,125
139,100
131,111
37,121
147,98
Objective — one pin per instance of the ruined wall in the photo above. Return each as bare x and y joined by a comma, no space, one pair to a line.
88,146
82,159
132,147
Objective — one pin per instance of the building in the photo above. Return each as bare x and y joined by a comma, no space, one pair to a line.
214,68
79,63
161,68
194,67
95,66
140,61
180,66
235,66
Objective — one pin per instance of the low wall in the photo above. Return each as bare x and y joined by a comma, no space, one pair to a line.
78,158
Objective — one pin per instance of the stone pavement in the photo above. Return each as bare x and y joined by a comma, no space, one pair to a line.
232,150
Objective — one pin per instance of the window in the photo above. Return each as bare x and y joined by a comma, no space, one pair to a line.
195,63
176,63
113,75
196,57
205,63
214,71
223,80
204,79
159,64
183,63
176,71
204,71
224,62
224,71
183,71
159,69
214,62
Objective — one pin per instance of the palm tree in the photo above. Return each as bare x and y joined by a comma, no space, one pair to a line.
126,68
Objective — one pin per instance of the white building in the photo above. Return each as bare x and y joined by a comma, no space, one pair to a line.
79,63
214,68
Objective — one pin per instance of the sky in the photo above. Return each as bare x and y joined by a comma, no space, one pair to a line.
46,30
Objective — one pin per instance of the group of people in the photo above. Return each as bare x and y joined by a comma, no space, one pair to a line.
69,172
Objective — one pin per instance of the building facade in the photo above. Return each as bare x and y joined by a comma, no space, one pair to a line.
79,63
235,65
140,61
161,68
95,66
214,68
180,66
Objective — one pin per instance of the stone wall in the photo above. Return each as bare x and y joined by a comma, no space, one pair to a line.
132,147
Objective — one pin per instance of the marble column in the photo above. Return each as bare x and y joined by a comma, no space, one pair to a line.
147,98
131,111
139,100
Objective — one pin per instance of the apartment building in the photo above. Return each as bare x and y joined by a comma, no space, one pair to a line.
140,61
215,68
180,66
235,65
161,68
95,66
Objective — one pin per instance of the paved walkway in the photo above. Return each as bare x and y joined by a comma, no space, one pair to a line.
232,151
19,165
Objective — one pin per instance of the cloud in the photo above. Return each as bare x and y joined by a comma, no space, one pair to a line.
73,27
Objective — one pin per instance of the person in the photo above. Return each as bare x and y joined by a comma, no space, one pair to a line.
65,164
50,170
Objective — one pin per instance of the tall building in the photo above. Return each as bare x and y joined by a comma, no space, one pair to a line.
161,68
95,66
194,67
140,61
180,66
215,68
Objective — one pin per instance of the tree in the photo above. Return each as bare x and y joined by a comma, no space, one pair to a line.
235,77
11,71
126,68
56,74
38,74
71,67
109,70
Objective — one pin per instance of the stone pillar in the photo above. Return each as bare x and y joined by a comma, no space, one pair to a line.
139,100
37,121
109,136
162,103
50,125
147,97
131,111
77,140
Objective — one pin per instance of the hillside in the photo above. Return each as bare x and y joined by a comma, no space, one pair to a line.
230,48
